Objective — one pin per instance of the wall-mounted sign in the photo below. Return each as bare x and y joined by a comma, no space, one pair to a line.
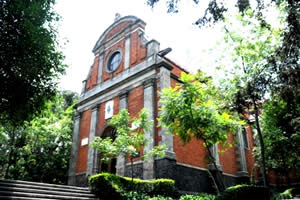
84,141
109,109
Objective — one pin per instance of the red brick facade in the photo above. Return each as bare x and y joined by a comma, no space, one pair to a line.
133,85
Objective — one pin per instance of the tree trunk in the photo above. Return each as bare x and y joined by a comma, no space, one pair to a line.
219,176
262,145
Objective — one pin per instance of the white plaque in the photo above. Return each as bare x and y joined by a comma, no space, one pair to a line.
84,141
109,109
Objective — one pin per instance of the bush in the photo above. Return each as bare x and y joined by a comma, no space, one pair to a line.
202,196
111,186
134,196
287,194
160,198
106,186
245,192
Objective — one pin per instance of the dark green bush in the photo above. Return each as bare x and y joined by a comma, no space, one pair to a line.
107,185
245,192
134,196
202,196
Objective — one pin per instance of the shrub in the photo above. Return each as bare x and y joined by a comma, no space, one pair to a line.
287,194
245,192
107,185
134,196
161,198
202,196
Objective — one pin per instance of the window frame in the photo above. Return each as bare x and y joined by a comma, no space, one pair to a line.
110,58
245,136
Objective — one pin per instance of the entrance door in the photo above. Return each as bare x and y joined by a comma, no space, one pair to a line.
109,167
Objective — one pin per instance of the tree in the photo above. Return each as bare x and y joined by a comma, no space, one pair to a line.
280,136
29,57
251,76
194,109
128,141
42,144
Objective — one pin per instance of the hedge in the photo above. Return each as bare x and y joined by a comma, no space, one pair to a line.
111,186
245,192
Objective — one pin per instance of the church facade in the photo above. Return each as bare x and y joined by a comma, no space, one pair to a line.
128,72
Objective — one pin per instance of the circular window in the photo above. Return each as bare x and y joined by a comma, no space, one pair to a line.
114,61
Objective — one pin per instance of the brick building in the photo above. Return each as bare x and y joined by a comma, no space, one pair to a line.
128,71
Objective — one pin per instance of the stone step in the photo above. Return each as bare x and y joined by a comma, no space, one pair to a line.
25,190
41,196
42,187
39,191
21,198
43,184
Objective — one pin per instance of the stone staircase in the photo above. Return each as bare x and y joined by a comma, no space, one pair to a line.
24,190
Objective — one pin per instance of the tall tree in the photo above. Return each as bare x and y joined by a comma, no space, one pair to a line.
250,76
42,144
280,136
29,57
194,109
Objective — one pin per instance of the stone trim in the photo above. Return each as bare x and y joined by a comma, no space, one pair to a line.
153,47
135,20
127,52
167,139
241,154
100,67
191,166
149,95
74,151
128,79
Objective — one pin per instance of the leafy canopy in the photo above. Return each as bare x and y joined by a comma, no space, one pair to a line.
194,108
128,139
42,144
29,57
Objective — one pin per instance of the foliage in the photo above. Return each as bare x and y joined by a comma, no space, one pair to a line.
41,145
287,194
29,57
248,82
245,192
280,136
161,198
194,109
111,186
134,195
128,140
201,196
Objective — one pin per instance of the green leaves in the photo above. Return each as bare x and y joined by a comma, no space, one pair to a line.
30,60
130,137
42,144
195,109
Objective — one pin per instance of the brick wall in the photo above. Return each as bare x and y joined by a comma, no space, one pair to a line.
84,133
117,29
92,79
135,104
228,156
138,51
